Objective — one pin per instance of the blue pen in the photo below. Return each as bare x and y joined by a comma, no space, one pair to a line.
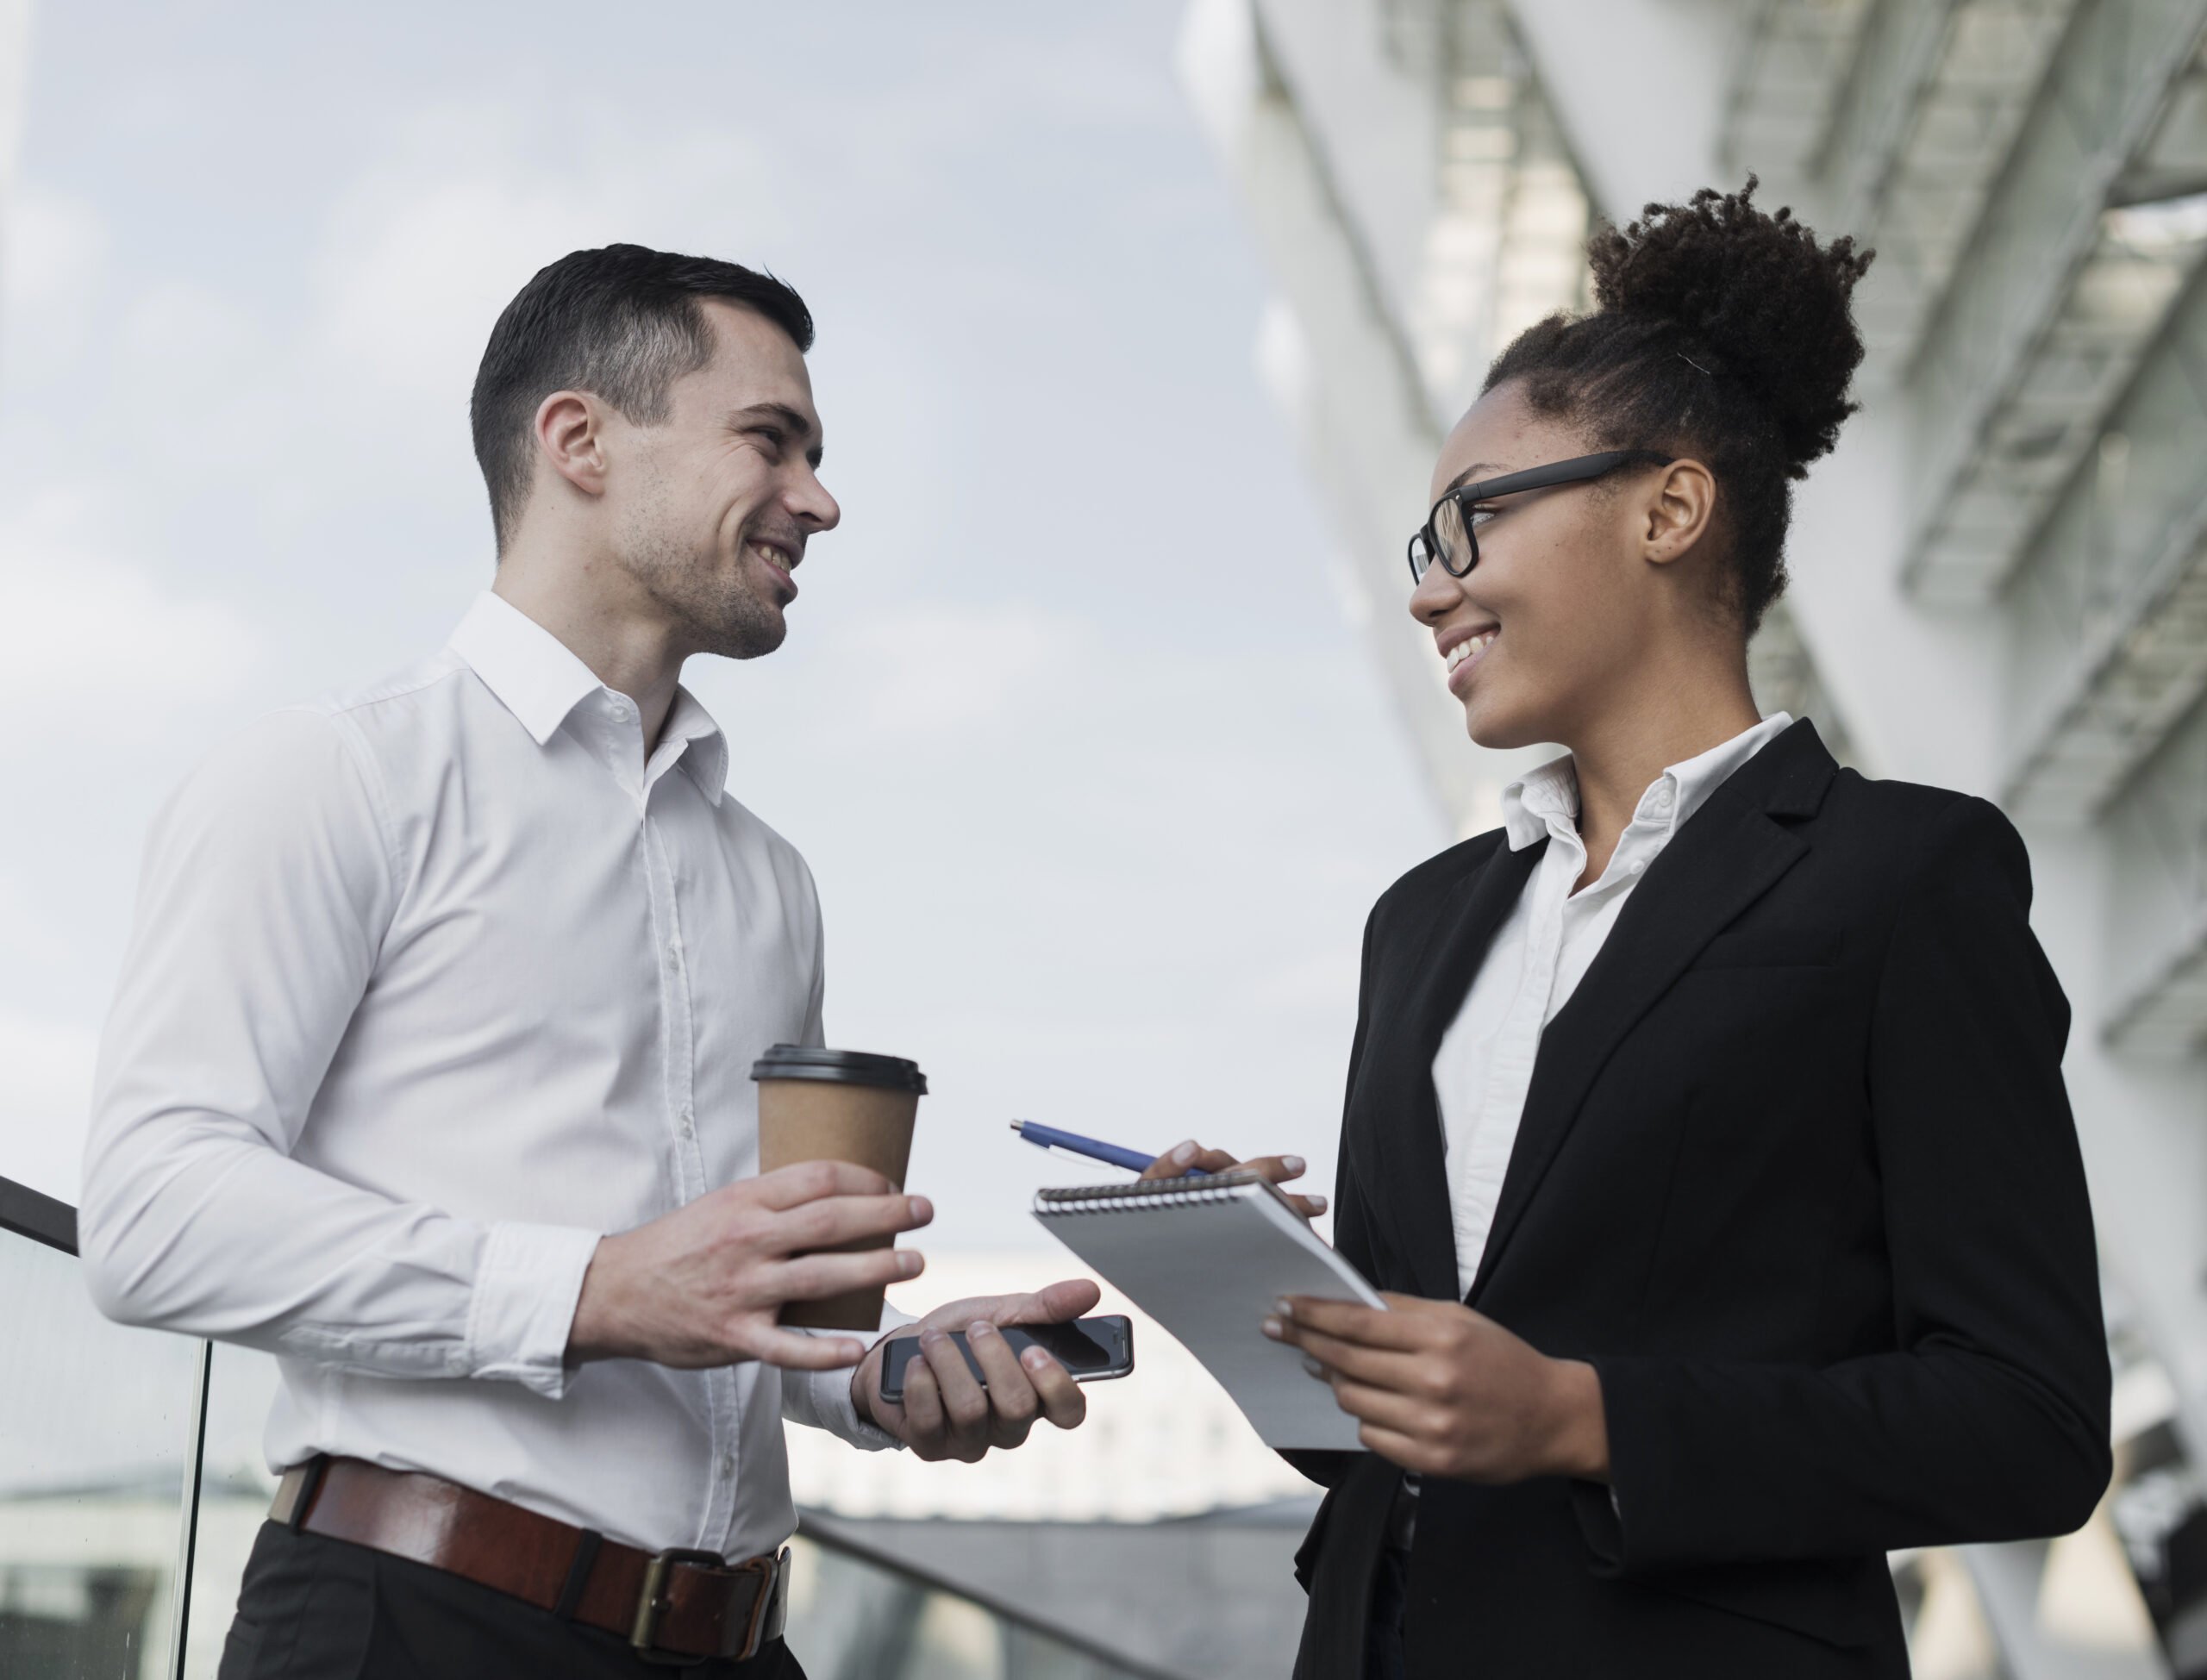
1048,1137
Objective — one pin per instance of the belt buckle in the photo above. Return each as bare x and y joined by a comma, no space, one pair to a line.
652,1604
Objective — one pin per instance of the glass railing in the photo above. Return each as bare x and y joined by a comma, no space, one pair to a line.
132,1484
97,1429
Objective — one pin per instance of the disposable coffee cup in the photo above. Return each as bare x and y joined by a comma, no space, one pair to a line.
838,1105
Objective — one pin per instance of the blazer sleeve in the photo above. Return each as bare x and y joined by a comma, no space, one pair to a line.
1352,1213
1989,1420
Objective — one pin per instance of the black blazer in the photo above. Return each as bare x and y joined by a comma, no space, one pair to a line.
1797,1174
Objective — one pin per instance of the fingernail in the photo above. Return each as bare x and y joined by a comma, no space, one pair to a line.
1317,1204
1283,1309
980,1327
1271,1327
931,1335
1183,1153
921,1209
1293,1163
1035,1359
1311,1367
908,1263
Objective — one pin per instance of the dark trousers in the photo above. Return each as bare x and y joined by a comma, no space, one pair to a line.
314,1608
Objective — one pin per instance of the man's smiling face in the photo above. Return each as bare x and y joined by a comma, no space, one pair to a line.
711,508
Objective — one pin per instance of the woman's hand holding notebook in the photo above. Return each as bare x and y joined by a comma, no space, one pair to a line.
1207,1257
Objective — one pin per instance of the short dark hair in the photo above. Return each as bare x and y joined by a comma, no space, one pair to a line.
1725,333
622,323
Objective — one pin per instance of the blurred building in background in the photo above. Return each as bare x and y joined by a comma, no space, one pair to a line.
2000,578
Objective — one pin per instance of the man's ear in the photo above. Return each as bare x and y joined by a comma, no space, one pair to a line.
1679,507
569,434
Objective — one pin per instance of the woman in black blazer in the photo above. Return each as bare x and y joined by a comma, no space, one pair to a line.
1788,1261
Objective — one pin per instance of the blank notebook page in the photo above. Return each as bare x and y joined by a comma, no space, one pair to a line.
1206,1258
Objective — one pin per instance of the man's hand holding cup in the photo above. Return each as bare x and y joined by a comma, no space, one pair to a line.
707,1285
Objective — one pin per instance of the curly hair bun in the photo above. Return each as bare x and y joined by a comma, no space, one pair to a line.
1750,297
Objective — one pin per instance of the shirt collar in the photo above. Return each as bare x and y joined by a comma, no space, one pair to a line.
533,674
705,754
537,677
1533,807
1692,782
1534,804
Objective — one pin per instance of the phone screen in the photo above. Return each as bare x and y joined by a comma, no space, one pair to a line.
1090,1349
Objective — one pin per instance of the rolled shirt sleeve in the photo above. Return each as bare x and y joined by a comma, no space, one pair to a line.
268,884
821,1399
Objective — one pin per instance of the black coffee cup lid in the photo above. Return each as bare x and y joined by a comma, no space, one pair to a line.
840,1067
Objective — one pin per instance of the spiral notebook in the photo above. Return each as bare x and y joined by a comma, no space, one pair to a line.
1206,1258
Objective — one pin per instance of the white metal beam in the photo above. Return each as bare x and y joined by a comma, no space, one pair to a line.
2055,299
2013,1583
1341,367
2157,931
1789,79
2109,611
1939,92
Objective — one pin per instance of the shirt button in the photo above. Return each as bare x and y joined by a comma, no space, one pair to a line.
1639,866
728,1465
622,711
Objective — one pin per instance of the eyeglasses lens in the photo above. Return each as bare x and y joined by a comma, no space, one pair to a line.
1456,549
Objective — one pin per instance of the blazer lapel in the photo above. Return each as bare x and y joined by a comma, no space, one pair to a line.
1412,1161
1733,851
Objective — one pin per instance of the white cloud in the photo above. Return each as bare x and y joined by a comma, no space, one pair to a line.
45,1095
421,252
94,644
53,249
54,245
937,673
179,330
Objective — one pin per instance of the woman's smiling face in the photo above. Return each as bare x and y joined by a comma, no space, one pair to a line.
1554,617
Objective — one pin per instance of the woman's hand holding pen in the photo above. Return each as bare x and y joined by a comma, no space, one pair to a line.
1191,1157
1443,1390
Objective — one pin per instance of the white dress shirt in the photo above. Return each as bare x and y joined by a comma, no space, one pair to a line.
430,985
1541,951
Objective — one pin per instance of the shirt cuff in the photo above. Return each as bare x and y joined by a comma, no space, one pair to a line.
823,1398
524,1308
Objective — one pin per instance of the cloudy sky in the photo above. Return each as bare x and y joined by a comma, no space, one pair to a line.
1090,768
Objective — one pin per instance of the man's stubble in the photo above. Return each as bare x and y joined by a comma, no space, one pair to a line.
718,606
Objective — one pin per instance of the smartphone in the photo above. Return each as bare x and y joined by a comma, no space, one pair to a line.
1091,1350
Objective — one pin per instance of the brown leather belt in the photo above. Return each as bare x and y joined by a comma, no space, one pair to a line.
672,1606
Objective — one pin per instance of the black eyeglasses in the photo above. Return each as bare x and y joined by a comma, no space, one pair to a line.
1450,534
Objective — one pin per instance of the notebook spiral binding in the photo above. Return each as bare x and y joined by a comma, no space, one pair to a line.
1152,1193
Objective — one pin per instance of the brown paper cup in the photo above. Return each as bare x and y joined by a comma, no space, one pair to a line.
837,1105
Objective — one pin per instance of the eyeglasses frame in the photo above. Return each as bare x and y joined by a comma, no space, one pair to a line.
1578,470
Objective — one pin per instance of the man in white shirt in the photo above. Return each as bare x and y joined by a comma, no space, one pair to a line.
429,1068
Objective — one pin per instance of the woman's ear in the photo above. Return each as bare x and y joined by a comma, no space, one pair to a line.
1679,508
